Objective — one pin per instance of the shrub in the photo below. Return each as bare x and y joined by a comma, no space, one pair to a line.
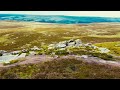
103,56
10,75
61,52
27,54
14,61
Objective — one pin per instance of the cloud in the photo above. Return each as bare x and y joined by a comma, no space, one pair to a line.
70,13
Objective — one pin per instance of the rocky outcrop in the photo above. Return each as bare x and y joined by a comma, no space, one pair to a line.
64,44
71,47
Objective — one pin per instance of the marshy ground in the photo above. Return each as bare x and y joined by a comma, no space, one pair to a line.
21,35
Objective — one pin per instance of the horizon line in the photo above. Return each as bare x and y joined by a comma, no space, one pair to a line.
59,15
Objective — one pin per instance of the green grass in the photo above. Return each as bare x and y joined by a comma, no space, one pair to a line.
17,38
14,61
112,46
60,69
31,35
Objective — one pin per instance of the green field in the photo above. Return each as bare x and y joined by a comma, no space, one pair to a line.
24,35
19,35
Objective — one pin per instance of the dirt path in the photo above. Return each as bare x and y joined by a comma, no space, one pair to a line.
43,58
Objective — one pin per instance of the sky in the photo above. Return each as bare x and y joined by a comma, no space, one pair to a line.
68,13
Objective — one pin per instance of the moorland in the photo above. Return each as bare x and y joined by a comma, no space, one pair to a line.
18,35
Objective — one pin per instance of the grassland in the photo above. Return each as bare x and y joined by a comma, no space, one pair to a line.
20,35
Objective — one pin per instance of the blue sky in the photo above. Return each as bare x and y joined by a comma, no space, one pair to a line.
69,13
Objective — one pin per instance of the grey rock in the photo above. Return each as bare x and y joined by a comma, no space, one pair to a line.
104,50
24,50
61,45
3,51
22,55
15,52
32,53
71,40
35,48
88,44
71,44
78,41
51,45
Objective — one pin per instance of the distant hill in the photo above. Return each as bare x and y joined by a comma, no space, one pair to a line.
57,18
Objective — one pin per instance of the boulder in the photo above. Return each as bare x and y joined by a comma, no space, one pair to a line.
71,44
32,53
35,48
61,45
51,46
24,51
15,52
94,47
104,50
22,55
78,41
87,44
71,40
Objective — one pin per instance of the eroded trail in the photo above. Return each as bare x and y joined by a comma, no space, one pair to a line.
44,58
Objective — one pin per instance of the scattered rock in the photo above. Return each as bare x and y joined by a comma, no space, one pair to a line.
65,44
15,52
94,47
78,43
87,44
24,51
35,48
22,55
61,45
32,53
3,51
71,44
51,46
71,40
104,50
